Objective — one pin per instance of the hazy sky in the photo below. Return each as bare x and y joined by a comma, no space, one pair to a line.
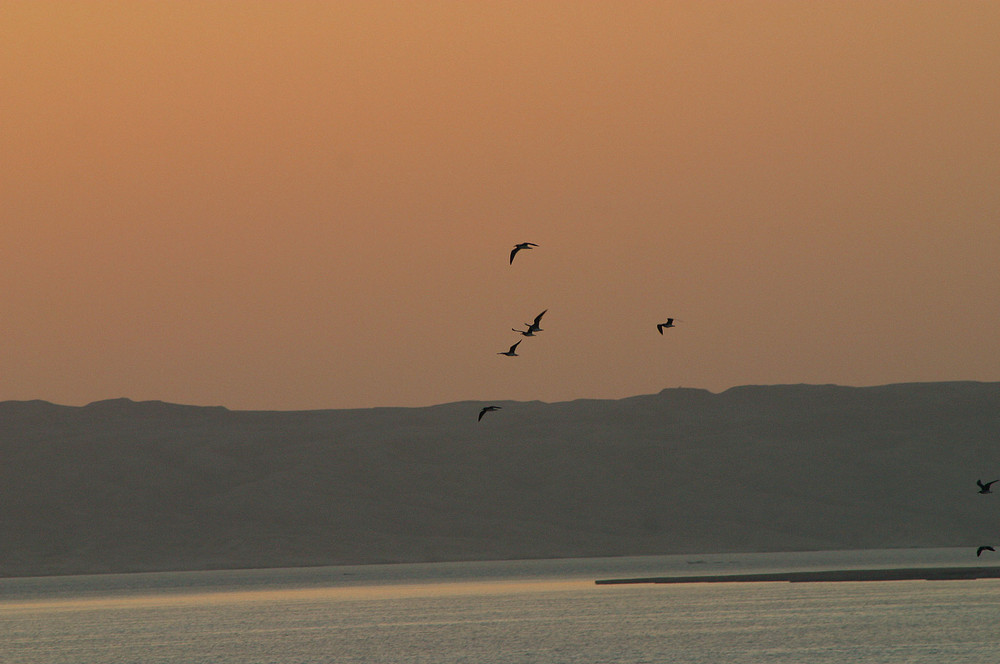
289,205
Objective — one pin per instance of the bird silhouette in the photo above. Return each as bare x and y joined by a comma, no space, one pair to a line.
487,409
985,488
519,247
980,550
532,327
660,326
512,351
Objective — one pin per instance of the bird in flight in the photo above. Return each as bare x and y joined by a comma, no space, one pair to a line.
660,326
519,247
980,550
532,327
512,351
985,488
487,409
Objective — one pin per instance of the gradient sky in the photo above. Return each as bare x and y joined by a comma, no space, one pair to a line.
278,205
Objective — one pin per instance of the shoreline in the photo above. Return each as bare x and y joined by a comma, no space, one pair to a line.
819,576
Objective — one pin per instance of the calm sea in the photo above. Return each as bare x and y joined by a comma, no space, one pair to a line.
525,611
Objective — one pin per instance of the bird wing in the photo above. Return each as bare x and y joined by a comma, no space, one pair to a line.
481,413
515,345
659,328
538,318
514,251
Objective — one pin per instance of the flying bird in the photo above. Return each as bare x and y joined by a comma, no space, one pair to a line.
512,352
532,327
487,409
660,326
980,550
985,488
519,247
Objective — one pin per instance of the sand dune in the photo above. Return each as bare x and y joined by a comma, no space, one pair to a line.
126,486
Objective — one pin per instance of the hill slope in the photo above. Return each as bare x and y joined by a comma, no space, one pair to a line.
125,486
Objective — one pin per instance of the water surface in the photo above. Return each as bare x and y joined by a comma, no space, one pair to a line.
516,611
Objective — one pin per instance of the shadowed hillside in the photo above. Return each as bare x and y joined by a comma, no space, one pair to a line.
125,486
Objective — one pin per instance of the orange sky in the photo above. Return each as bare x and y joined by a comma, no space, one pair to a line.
310,205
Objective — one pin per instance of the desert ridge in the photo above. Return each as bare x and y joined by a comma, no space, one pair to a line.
120,486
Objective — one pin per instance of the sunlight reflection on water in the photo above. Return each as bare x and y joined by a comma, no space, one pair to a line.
326,594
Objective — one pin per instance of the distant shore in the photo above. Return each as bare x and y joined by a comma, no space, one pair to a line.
122,486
